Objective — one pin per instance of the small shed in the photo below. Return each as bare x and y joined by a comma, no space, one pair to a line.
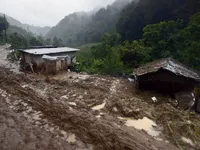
167,76
50,58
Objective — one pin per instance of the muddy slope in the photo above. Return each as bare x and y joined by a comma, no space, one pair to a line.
101,133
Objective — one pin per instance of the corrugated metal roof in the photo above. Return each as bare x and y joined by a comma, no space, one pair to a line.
170,65
43,51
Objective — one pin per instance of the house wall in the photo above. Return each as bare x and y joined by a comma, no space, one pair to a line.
68,62
40,63
35,59
165,82
71,54
50,67
58,65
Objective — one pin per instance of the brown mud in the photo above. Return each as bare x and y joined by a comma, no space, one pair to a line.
60,108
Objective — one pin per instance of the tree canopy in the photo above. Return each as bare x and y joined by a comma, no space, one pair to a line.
136,16
164,39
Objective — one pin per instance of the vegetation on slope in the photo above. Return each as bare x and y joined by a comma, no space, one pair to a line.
165,39
136,16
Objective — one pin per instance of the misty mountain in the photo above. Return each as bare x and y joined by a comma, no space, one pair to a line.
34,29
70,26
18,30
81,27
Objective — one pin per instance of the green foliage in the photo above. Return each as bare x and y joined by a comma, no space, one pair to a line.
18,41
190,39
160,37
3,26
136,16
20,38
14,56
103,58
57,42
84,56
3,23
112,63
48,41
172,39
160,40
111,38
134,54
36,41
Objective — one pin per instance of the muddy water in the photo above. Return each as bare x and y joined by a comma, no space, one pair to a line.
145,124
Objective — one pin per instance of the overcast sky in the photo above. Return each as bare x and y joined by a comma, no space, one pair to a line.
46,12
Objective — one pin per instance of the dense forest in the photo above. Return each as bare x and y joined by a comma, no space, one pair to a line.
128,17
164,39
135,17
146,31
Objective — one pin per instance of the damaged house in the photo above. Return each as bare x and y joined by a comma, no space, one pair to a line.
170,77
49,60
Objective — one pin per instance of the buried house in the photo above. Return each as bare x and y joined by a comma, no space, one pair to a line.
49,60
170,77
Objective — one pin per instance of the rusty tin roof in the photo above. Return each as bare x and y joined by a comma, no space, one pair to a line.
170,65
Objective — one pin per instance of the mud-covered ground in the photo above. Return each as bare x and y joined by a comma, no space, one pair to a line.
80,111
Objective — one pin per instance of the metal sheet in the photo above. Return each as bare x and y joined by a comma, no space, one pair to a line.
43,51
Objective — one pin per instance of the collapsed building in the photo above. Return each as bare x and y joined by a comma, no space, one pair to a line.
170,77
48,60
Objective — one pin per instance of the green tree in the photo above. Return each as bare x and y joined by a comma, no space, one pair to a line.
34,41
41,40
161,38
57,42
136,16
105,57
135,53
173,39
18,41
48,41
112,63
108,40
190,37
3,26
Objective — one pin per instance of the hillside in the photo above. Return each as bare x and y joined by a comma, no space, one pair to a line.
15,29
134,17
70,26
34,29
81,27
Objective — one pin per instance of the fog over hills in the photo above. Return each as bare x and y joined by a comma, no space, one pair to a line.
34,29
85,27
